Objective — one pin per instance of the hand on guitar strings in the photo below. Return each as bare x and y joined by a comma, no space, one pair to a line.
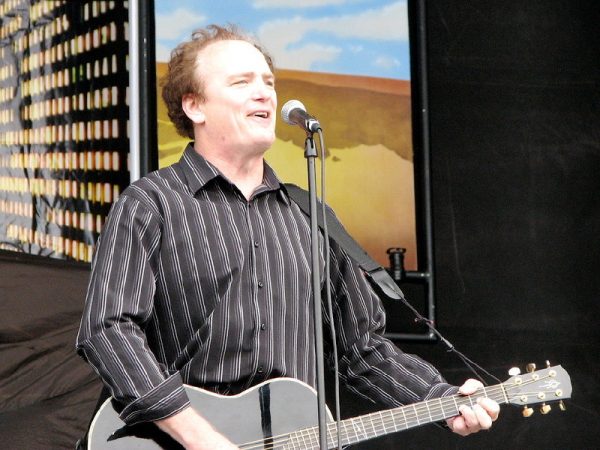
476,418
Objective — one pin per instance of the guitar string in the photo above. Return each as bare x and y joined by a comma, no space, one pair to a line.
435,413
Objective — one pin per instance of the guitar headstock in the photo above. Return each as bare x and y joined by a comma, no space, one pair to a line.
538,386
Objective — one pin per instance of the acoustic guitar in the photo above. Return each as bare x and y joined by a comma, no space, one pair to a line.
282,414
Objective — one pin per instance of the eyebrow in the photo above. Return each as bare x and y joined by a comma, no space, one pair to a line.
264,76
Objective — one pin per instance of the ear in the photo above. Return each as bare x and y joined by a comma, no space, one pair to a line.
192,107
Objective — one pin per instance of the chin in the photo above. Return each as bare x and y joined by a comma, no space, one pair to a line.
265,143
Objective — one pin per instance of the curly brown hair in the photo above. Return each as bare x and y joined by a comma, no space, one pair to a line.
181,78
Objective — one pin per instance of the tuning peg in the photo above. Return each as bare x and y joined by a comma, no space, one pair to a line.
527,412
548,364
545,409
561,406
514,371
530,367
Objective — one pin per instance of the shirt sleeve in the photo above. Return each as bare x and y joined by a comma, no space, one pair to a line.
370,364
118,306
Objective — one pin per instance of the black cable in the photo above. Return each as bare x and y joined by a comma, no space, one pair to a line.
471,365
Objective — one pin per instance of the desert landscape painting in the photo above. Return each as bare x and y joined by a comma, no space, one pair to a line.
369,164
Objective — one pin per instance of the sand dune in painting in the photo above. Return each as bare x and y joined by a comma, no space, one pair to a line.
367,125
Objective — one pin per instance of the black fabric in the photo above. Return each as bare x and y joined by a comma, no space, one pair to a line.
47,393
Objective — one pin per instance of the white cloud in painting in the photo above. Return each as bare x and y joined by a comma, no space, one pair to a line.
296,4
284,37
386,62
389,23
177,24
303,58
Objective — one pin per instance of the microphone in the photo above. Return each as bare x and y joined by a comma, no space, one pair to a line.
294,113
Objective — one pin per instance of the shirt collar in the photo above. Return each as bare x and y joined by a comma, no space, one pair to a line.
199,172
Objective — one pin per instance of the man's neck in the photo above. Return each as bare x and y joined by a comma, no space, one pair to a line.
245,171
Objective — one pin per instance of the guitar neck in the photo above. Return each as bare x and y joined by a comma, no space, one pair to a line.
368,426
372,425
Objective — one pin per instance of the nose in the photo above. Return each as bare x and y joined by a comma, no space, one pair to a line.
263,91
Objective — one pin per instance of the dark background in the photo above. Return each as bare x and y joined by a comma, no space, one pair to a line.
514,104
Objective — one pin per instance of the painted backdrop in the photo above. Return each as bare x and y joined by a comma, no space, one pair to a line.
348,62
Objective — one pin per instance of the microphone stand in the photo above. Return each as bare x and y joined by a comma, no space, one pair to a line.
310,153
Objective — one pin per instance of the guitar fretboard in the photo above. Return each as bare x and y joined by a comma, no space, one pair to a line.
368,426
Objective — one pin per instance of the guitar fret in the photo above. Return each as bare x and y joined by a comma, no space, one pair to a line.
485,394
503,391
416,414
442,407
345,439
305,432
404,415
428,411
383,422
455,404
369,420
314,438
393,416
332,434
295,436
359,428
377,423
351,433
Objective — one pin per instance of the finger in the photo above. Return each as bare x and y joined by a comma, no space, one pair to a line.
484,421
470,386
491,407
469,416
459,426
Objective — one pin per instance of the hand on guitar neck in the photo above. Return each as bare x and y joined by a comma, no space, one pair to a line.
476,418
193,432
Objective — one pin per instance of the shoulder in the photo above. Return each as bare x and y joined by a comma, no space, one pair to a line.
158,188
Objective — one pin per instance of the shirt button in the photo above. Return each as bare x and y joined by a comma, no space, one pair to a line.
256,243
260,284
263,326
260,369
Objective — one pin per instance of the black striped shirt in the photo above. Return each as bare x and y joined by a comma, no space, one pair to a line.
192,283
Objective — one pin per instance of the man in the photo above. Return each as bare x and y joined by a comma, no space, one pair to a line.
202,272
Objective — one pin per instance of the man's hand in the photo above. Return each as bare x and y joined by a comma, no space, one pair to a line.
480,417
192,431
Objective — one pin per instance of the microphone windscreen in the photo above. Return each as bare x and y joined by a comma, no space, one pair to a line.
288,108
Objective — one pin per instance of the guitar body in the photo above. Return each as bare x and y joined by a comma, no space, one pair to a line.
274,408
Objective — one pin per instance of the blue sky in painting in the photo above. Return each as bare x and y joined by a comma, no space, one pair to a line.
355,37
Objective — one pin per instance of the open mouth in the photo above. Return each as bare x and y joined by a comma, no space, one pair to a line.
260,114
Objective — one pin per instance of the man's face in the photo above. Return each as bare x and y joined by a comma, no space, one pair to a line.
239,97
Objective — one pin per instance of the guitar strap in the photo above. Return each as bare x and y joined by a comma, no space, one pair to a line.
378,276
